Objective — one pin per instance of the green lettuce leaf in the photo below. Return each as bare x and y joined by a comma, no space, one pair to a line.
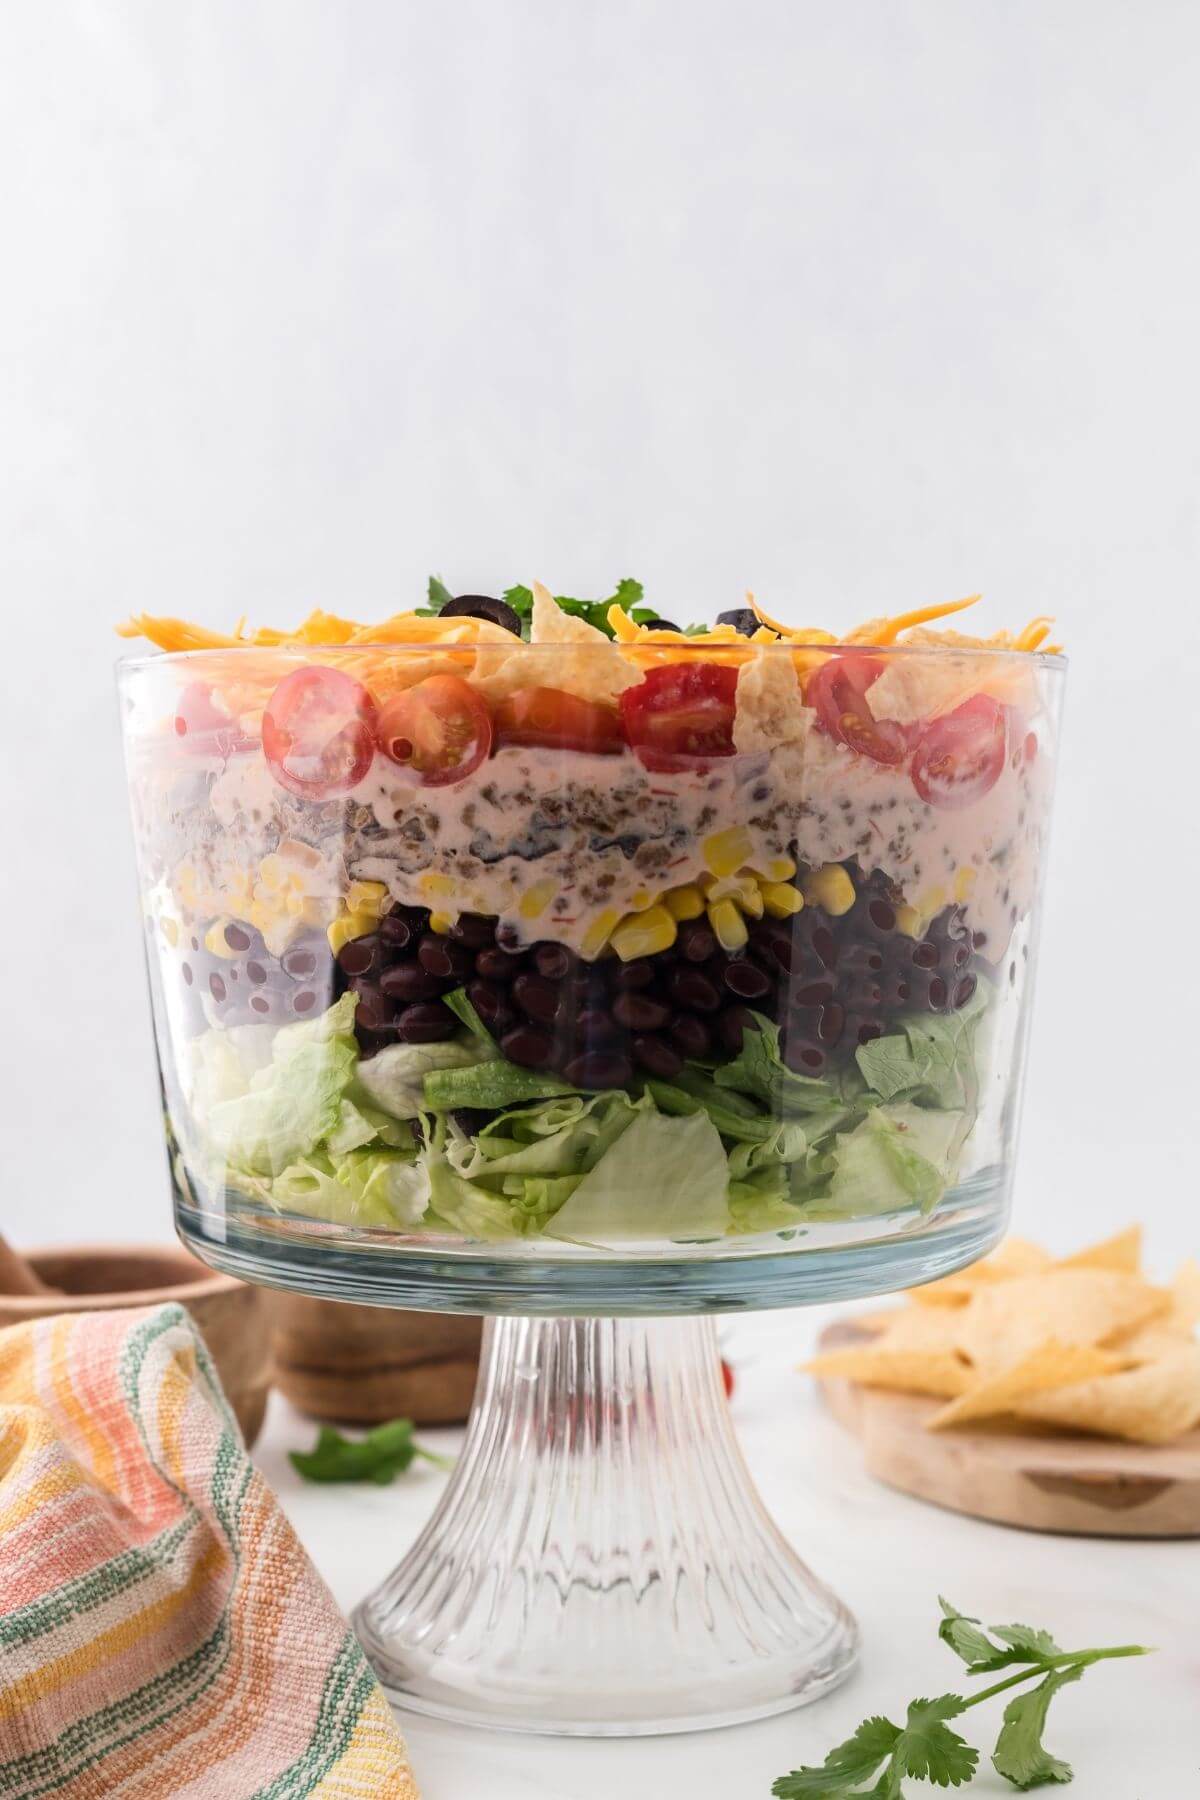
364,1187
490,1086
899,1156
760,1070
561,1137
394,1078
663,1178
931,1058
292,1103
694,1091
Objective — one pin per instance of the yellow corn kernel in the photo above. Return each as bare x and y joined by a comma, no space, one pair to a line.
780,868
535,900
726,851
599,932
434,884
964,882
272,870
338,933
751,900
930,901
441,923
910,922
781,899
644,933
831,889
214,940
728,924
366,897
170,930
684,902
641,900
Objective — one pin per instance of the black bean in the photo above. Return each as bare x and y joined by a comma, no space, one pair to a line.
833,1020
599,1069
926,954
964,990
497,965
298,963
259,1003
442,957
409,981
637,974
359,957
473,930
881,915
745,979
397,929
813,993
303,1001
217,988
426,1022
595,1027
802,1058
939,994
864,1030
375,1012
732,1023
696,940
527,1045
470,1119
657,1056
824,946
537,998
897,990
691,1035
779,940
554,961
693,989
862,993
639,1012
490,1002
237,938
188,977
860,959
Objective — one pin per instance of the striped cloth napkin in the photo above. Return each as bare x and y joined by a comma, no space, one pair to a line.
162,1633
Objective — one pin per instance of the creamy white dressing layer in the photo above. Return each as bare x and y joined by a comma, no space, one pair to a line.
554,841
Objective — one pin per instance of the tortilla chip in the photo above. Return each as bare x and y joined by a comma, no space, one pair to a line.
1185,1296
908,1371
929,1330
1074,1306
1161,1337
1149,1405
563,652
1052,1365
1122,1252
1015,1256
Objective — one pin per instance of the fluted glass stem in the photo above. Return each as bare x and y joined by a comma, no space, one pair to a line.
600,1562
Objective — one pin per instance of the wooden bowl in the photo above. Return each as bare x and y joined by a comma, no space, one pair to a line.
360,1365
231,1317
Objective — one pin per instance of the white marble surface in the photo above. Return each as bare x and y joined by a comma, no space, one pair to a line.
1132,1730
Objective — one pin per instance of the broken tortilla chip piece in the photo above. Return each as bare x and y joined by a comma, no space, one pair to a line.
908,1371
1075,1306
1051,1365
1151,1404
1015,1256
1122,1252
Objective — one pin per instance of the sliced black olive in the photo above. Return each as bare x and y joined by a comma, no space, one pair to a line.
661,625
742,619
483,606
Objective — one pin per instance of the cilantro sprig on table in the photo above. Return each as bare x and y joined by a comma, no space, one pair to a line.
380,1456
627,593
925,1749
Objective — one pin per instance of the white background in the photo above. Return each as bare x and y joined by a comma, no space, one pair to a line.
860,305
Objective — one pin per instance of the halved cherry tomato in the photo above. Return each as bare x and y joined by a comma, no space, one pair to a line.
440,730
203,729
681,715
319,732
958,758
554,720
838,690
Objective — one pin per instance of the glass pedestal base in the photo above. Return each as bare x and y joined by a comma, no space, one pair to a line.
600,1563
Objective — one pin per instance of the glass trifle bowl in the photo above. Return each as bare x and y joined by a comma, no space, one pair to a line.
599,983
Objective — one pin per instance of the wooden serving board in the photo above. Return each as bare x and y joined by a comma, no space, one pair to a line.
1040,1480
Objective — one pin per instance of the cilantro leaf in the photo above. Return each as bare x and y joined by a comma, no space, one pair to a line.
439,593
967,1639
929,1750
1020,1756
846,1766
1029,1644
384,1453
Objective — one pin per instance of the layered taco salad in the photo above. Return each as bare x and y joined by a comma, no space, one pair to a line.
537,918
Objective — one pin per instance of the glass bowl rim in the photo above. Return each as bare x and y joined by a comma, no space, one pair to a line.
1044,659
